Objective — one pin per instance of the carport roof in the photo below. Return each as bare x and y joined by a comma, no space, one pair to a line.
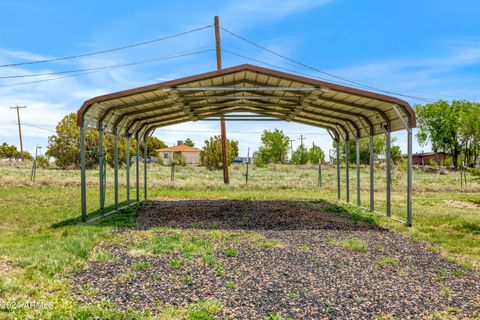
344,111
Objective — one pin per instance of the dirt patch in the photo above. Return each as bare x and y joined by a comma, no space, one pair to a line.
5,266
461,204
246,215
327,266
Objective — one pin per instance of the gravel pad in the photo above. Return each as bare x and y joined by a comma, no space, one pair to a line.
321,265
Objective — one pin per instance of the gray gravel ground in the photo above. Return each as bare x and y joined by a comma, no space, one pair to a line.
308,275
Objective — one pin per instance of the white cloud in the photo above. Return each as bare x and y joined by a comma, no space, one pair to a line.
438,77
248,13
6,55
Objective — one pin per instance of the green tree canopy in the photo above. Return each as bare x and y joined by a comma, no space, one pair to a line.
211,153
396,154
8,151
153,145
64,145
316,155
274,148
379,143
300,155
470,132
439,123
189,142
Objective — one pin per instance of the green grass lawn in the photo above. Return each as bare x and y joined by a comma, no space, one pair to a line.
43,243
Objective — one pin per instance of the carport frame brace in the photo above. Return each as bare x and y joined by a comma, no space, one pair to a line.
319,106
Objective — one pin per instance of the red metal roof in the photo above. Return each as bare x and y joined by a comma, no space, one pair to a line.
182,148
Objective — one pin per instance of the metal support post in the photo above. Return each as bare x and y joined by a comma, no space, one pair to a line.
389,172
409,176
100,169
372,187
127,164
83,178
137,168
347,173
338,168
145,156
357,142
115,168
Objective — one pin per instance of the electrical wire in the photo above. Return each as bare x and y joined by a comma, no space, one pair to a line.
310,75
104,67
29,125
94,70
107,50
324,72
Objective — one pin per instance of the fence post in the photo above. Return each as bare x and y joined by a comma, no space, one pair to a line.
248,161
320,183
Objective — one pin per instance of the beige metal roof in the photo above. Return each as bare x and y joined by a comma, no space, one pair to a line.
268,93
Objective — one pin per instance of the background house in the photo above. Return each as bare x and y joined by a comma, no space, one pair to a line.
191,154
424,158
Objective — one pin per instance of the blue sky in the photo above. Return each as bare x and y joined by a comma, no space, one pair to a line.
420,48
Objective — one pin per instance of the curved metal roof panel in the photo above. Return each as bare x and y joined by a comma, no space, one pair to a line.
348,112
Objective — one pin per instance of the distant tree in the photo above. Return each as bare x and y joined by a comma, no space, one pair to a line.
396,154
439,123
42,162
470,132
122,150
8,151
189,142
316,154
300,155
153,145
274,148
379,142
211,153
24,155
64,145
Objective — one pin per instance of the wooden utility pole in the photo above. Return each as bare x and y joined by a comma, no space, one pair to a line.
223,131
301,139
19,129
291,148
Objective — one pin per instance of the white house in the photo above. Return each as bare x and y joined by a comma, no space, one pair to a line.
191,155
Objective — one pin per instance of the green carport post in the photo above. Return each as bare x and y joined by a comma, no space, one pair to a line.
137,168
127,164
115,168
145,155
83,186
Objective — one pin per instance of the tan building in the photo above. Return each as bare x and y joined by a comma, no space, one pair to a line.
191,155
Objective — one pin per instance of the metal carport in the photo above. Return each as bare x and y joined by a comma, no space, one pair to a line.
346,113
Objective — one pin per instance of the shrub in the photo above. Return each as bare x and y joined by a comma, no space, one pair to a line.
42,162
432,163
211,154
259,162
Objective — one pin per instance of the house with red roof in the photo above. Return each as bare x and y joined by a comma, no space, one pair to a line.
190,154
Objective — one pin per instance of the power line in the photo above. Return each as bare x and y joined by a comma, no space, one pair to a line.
324,72
105,67
99,69
40,127
282,68
307,74
105,51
